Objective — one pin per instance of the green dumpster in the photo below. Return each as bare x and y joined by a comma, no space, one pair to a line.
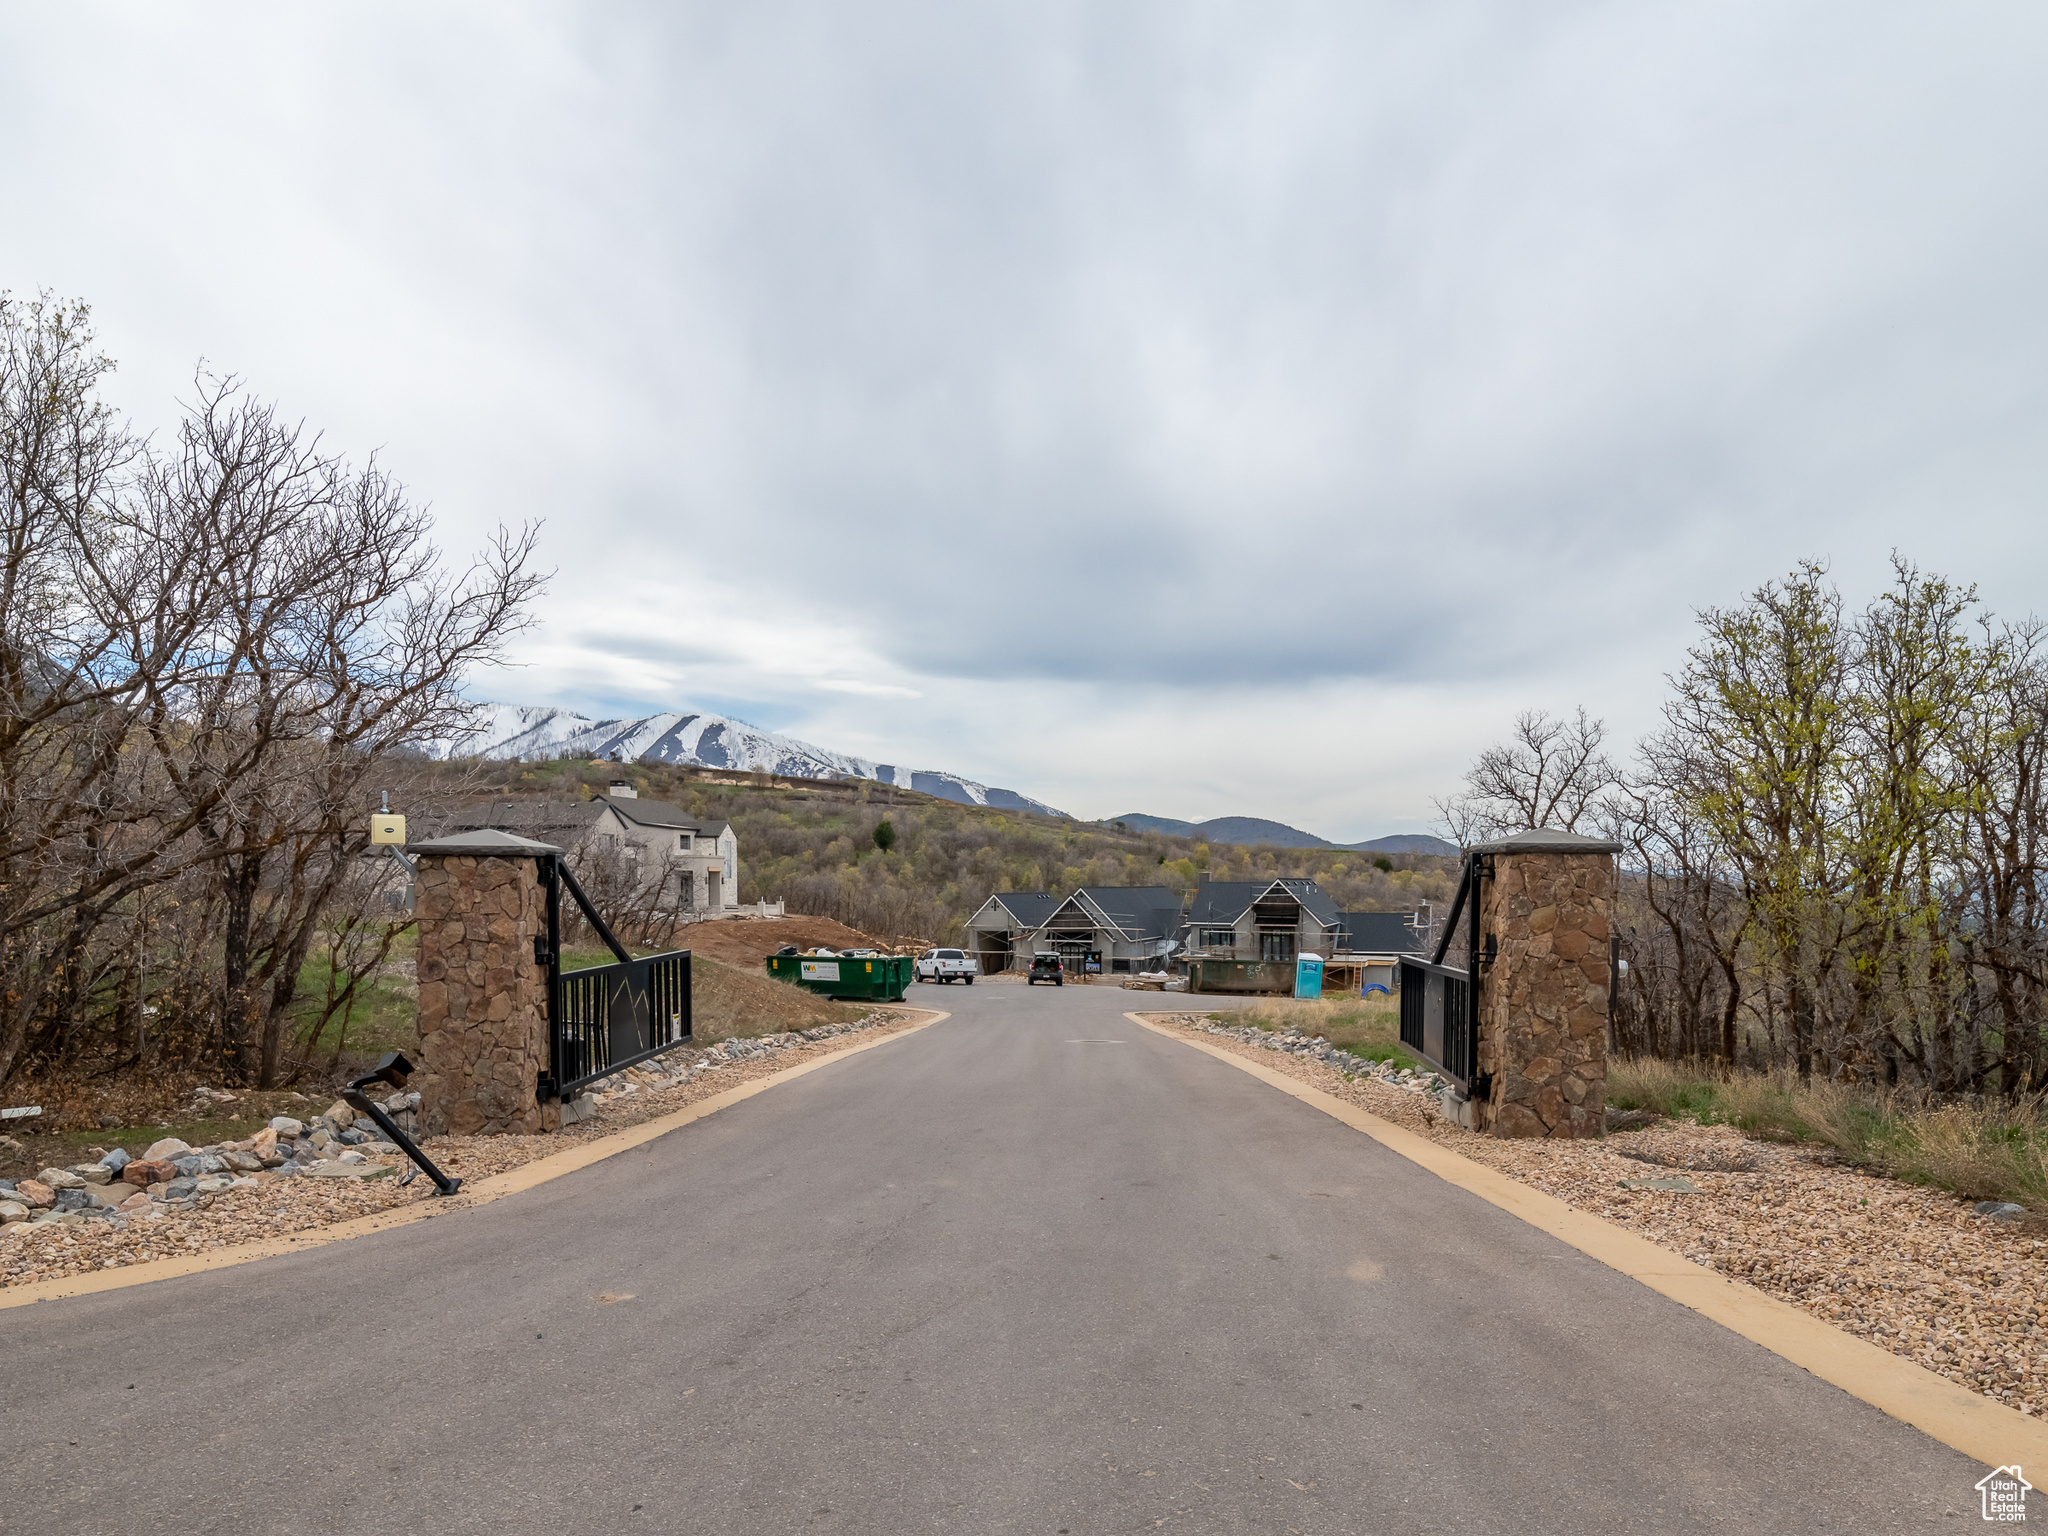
1273,976
858,978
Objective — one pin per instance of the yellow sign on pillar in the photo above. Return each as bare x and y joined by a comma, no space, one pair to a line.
386,828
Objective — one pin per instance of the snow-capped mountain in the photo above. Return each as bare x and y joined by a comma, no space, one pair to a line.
703,741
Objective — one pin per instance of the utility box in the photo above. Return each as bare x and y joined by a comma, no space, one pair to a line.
858,978
1308,975
387,830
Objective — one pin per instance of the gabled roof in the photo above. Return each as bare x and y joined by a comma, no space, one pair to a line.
561,821
1137,911
1027,909
1381,933
659,813
1223,902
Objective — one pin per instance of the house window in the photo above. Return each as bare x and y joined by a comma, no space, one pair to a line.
683,842
1120,965
1219,938
1276,946
689,889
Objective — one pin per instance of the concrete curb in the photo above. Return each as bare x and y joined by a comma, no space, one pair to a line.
470,1197
1965,1420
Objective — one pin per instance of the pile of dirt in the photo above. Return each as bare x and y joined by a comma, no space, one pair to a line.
728,1000
749,941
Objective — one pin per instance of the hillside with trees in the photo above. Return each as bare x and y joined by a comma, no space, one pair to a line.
214,648
814,846
1834,840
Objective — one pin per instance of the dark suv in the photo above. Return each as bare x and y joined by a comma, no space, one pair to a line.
1046,968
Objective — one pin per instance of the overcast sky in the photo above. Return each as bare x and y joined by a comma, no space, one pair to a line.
1178,408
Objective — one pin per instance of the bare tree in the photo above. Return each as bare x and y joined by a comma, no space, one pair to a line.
204,653
1551,773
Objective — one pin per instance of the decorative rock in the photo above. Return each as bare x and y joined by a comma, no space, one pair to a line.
60,1178
285,1125
92,1173
242,1162
74,1199
115,1160
218,1183
149,1171
1999,1210
351,1156
139,1201
11,1211
179,1188
169,1147
264,1143
341,1115
340,1170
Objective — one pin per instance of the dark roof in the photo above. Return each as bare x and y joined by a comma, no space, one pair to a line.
1028,909
551,820
1381,933
1143,911
658,813
1225,901
1544,840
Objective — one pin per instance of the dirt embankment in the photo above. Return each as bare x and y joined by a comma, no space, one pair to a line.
748,941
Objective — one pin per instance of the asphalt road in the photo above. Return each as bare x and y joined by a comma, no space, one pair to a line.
1032,1269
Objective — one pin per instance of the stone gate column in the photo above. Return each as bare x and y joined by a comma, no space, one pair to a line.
483,999
1544,920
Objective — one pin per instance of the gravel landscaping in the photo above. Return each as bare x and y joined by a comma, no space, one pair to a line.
1913,1270
168,1200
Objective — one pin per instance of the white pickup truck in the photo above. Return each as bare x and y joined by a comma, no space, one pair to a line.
947,965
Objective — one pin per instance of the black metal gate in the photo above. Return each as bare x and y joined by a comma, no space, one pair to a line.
1438,1022
1440,1003
605,1018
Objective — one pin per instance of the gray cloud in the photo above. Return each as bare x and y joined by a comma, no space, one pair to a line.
1169,347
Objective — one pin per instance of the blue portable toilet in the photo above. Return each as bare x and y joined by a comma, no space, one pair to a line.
1308,975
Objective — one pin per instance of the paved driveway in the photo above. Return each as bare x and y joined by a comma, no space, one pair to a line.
1032,1269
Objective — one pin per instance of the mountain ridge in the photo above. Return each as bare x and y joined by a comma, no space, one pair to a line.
698,738
1256,831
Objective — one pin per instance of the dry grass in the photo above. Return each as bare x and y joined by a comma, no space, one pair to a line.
728,1003
1368,1029
1982,1150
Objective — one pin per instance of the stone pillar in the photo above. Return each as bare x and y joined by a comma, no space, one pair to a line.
1544,916
483,999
